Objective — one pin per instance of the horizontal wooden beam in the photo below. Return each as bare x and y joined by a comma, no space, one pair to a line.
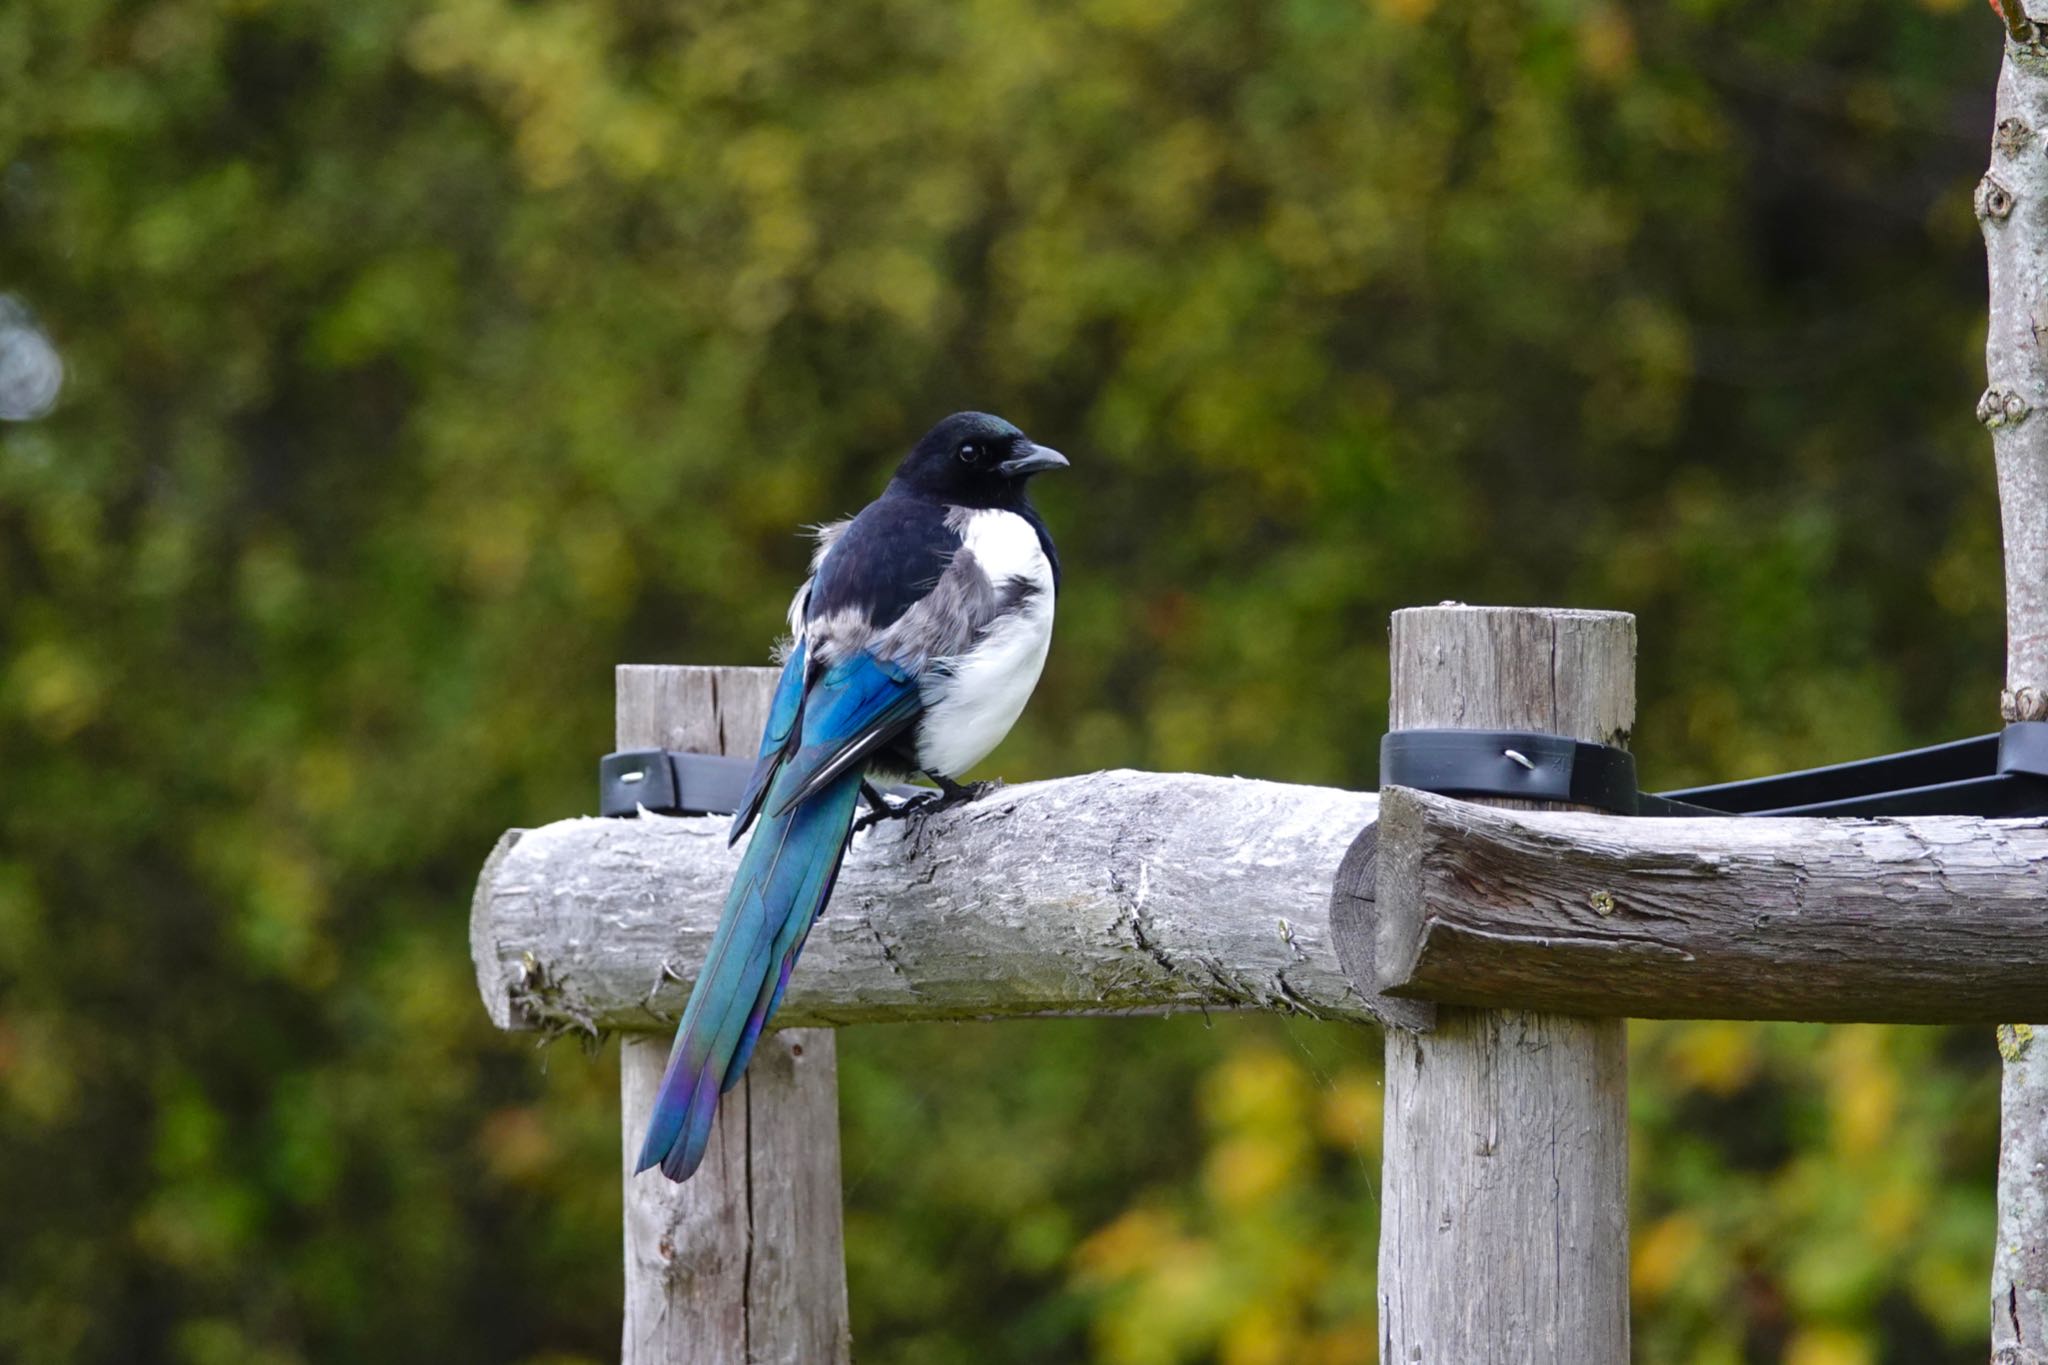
1118,892
1924,920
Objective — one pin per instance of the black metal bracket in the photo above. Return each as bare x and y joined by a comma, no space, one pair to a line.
666,782
2001,775
1524,764
1996,776
670,783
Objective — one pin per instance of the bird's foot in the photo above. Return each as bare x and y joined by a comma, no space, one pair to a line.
949,795
661,978
953,793
881,808
923,806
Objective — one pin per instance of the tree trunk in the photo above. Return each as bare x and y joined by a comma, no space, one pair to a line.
2012,207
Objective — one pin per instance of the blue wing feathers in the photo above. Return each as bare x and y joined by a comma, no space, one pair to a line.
783,716
806,804
857,707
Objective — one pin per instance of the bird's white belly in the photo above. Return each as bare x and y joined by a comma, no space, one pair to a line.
972,702
968,713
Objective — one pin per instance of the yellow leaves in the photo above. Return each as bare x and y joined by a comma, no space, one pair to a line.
1863,1091
765,167
286,905
1133,1242
494,540
1258,1097
1250,1273
1406,11
39,1071
1169,1285
1255,1088
891,281
325,782
1893,1212
549,68
516,1145
601,571
1719,1058
56,688
223,1340
1171,180
1830,1346
1247,1171
1259,1336
1335,244
1607,44
1662,1253
1643,397
1134,16
1352,1112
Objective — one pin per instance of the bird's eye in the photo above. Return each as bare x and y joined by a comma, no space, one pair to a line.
970,452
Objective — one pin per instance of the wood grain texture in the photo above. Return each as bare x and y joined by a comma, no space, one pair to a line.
1504,1219
744,1263
1111,893
2012,208
1924,920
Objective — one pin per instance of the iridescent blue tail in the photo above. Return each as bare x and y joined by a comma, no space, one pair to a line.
783,882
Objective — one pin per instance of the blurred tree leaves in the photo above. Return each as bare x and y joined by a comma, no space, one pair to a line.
426,359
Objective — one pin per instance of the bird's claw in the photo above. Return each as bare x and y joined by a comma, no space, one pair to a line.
884,809
925,805
661,978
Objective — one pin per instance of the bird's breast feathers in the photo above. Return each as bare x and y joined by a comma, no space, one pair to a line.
977,636
973,698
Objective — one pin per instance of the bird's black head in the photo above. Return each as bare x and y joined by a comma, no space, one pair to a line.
976,460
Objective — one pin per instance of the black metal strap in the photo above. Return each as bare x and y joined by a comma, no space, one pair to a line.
1514,763
1995,776
670,783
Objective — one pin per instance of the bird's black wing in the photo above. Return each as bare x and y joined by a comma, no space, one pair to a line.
892,555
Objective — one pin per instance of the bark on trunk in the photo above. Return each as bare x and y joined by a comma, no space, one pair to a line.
2012,206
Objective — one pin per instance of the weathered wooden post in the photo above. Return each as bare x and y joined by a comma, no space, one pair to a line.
745,1262
2012,208
1504,1213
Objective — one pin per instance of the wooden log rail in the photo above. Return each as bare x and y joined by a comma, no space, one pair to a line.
1131,892
1927,920
1117,892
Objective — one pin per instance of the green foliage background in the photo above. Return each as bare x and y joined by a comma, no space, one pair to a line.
428,358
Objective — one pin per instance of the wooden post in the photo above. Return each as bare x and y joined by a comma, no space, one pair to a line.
2012,209
744,1262
1504,1210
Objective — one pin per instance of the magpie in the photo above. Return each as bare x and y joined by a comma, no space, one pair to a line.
913,646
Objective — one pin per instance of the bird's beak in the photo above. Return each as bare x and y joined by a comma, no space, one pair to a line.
1034,459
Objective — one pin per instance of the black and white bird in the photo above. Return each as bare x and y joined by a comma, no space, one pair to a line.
914,644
